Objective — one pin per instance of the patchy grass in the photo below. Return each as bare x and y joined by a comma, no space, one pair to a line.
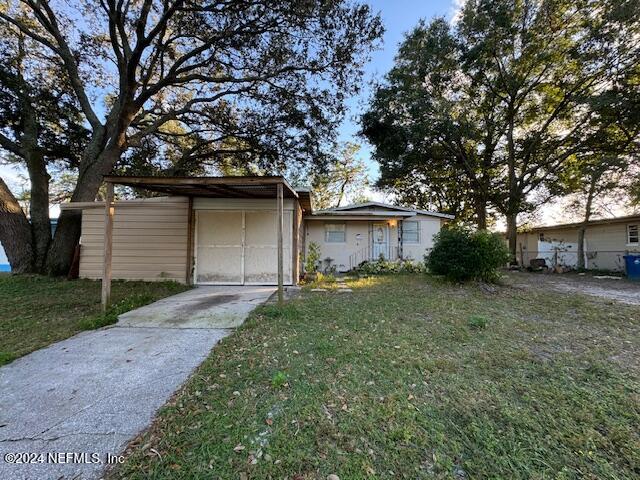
401,379
36,311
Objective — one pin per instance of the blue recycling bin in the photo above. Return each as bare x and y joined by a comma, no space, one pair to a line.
632,264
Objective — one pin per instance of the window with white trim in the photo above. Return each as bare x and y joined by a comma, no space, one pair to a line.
335,233
410,232
633,235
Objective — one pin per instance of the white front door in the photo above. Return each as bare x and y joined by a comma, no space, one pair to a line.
380,240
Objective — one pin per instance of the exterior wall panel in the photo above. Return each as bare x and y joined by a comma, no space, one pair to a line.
605,244
149,240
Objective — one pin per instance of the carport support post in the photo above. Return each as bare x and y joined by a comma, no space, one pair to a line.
108,247
279,221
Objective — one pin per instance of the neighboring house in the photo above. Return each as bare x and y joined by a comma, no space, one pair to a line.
350,235
605,244
223,230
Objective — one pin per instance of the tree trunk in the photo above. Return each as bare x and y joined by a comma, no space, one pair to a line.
481,212
39,180
67,236
29,149
39,208
15,232
101,154
581,234
513,200
512,236
587,216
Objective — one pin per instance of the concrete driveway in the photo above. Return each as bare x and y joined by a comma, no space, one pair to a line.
64,409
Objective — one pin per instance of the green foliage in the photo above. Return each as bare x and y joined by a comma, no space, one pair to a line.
477,322
481,113
460,254
382,266
345,175
278,380
312,258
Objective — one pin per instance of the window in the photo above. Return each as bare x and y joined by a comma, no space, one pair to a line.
335,233
411,232
633,237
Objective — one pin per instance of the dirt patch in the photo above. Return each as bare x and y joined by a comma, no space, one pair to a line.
622,290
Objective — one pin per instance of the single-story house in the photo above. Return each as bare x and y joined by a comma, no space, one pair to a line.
348,236
225,230
605,244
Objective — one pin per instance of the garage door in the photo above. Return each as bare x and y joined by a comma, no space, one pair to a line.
240,247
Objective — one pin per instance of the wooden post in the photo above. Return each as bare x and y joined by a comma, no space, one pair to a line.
108,247
190,246
279,222
295,266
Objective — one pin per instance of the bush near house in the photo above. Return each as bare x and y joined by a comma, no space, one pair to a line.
461,255
382,266
312,258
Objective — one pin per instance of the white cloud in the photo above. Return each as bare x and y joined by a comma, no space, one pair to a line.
456,10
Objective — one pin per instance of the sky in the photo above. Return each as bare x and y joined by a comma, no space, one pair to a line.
399,17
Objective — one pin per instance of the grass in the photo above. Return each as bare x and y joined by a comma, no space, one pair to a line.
36,311
409,377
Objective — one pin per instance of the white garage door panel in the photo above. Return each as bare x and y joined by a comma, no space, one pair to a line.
262,265
219,265
219,247
261,248
240,247
219,228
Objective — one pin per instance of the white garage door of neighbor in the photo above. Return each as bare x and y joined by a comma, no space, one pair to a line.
240,247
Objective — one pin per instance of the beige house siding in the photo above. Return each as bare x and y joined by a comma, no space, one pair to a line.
149,240
358,240
429,226
605,244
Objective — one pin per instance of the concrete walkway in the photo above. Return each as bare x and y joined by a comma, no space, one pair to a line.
75,402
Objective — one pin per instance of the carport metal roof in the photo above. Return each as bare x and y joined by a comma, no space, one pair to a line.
216,187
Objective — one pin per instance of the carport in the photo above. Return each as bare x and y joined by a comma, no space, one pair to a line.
235,230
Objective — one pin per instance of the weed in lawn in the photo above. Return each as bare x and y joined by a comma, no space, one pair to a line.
279,380
477,322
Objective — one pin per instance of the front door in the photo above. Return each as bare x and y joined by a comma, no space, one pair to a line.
380,241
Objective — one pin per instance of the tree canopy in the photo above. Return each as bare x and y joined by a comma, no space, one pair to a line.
172,86
481,115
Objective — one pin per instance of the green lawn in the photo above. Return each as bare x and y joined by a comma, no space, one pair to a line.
36,311
408,377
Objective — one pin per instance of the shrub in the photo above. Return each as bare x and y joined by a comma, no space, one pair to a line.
382,266
312,259
460,254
